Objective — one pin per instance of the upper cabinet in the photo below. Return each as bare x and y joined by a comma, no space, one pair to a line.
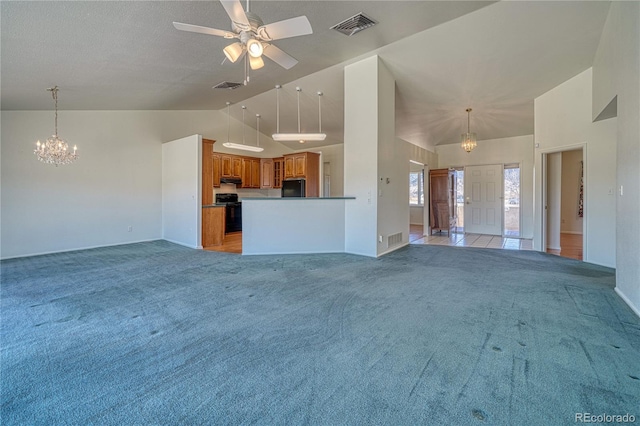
278,172
216,170
266,175
304,165
231,166
208,172
250,172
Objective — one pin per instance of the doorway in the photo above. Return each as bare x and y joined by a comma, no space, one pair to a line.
564,203
483,203
511,200
459,200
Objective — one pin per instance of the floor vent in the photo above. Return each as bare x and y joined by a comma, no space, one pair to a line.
355,24
227,85
394,239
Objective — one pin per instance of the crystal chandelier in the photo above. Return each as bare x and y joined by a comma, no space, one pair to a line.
468,139
55,150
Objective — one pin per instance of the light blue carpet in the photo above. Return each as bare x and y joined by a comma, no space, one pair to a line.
155,333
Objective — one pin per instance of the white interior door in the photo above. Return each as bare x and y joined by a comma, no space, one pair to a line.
483,200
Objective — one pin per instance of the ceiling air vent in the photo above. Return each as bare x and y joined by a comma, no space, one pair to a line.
227,85
354,24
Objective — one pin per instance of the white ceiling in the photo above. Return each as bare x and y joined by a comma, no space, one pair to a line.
446,56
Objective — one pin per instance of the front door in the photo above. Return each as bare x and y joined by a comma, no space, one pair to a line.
483,202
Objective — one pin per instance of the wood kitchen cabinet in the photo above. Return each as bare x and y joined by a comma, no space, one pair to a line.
226,168
266,173
442,200
304,165
207,172
216,170
278,172
236,167
231,166
250,172
213,223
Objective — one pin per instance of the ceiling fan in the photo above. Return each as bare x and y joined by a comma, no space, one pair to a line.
254,37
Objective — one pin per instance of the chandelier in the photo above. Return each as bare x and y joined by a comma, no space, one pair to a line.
55,150
468,139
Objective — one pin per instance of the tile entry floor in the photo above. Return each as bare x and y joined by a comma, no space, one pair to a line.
475,240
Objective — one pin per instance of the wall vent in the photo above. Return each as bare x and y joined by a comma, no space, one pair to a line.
394,239
227,85
355,24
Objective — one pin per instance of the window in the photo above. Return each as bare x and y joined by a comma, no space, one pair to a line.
416,188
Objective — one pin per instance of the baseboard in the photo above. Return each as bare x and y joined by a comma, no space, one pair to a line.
554,248
421,224
627,301
79,248
571,232
392,249
181,244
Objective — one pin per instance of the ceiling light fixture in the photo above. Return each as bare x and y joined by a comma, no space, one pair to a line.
468,139
300,137
241,146
55,150
256,63
233,51
254,47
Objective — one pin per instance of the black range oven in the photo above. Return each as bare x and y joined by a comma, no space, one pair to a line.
233,211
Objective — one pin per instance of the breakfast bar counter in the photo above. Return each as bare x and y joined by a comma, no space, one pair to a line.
293,225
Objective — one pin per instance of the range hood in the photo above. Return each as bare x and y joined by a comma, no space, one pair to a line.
237,181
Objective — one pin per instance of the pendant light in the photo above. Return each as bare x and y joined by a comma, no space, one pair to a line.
301,137
55,150
468,139
241,146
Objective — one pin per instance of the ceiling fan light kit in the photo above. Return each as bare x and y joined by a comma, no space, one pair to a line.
468,139
300,137
254,37
233,51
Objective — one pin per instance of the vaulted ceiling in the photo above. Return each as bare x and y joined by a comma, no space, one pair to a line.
446,56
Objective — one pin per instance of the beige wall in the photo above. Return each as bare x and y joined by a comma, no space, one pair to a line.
615,74
116,182
563,122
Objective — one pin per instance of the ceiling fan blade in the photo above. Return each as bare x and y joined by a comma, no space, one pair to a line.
278,56
203,30
236,13
284,29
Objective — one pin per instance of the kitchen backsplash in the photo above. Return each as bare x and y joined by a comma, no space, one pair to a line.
229,188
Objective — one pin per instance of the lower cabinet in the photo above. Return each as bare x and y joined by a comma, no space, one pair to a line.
213,226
